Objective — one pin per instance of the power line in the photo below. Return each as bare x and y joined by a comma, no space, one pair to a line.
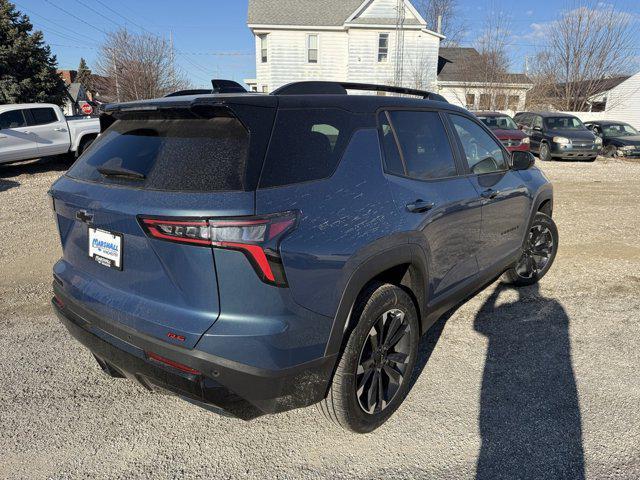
58,25
75,16
97,12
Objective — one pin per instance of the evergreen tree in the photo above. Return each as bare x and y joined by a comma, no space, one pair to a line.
27,67
84,75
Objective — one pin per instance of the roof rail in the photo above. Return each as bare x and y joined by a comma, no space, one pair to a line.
340,88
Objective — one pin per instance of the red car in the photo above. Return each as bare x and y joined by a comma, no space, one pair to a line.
506,129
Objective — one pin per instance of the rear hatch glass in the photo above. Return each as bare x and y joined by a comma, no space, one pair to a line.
163,153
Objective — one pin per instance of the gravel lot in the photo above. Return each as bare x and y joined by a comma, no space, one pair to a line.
539,383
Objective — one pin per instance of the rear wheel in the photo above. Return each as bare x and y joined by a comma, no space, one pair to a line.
372,377
545,152
84,144
538,254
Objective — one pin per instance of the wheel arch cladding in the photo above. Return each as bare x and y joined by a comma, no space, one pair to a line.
403,265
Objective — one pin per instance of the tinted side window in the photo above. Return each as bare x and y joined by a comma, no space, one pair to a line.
306,145
12,119
392,160
42,116
425,147
537,121
484,154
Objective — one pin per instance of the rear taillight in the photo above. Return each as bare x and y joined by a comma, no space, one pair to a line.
257,237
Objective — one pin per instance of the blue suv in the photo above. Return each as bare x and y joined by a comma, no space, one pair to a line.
256,253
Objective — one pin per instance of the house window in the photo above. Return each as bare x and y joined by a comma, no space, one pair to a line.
312,48
471,100
265,88
485,101
501,101
514,102
383,47
263,48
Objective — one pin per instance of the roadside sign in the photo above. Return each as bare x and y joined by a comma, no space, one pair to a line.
86,109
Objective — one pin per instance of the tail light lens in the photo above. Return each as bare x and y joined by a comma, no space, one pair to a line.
257,237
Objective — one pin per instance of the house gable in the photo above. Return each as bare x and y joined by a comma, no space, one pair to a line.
385,12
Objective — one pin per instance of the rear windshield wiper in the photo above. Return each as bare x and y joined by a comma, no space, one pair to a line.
120,172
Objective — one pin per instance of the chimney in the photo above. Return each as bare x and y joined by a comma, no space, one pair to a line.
439,25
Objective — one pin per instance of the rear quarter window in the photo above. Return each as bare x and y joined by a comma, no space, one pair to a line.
306,145
174,154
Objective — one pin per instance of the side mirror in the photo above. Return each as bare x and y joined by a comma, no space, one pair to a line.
522,160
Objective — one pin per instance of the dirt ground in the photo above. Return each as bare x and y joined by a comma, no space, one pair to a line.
542,382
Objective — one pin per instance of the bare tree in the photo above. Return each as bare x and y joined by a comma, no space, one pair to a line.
452,22
137,66
590,42
485,70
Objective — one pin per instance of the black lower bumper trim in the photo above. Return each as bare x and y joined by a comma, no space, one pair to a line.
242,391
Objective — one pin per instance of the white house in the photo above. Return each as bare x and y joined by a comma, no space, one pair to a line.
623,102
372,41
462,82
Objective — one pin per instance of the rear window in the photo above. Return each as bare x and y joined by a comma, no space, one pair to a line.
306,145
174,154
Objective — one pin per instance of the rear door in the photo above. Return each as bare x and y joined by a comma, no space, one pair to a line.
17,142
431,196
50,129
505,199
172,165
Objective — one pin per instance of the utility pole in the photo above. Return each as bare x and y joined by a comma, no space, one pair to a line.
172,60
399,43
115,70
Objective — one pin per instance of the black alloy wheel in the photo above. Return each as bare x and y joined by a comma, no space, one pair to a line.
383,361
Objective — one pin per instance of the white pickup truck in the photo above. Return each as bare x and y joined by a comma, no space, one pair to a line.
34,130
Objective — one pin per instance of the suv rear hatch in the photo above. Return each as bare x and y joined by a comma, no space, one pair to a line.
168,159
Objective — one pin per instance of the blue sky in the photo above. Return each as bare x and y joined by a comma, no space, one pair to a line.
213,40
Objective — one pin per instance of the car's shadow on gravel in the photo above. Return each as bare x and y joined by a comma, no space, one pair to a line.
530,421
31,167
7,185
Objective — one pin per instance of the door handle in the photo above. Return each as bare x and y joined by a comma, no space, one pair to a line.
420,206
27,132
490,193
60,129
3,136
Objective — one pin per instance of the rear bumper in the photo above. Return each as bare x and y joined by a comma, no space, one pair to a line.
240,390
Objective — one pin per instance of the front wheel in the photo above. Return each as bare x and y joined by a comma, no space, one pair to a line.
373,375
538,253
545,152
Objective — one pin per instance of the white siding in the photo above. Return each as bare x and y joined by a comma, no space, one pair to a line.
623,102
457,94
384,9
288,58
420,58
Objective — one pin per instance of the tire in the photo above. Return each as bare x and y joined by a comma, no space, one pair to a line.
378,310
610,151
531,267
545,152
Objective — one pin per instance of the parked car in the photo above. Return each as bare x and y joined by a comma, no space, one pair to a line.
299,267
506,130
619,139
36,130
558,135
